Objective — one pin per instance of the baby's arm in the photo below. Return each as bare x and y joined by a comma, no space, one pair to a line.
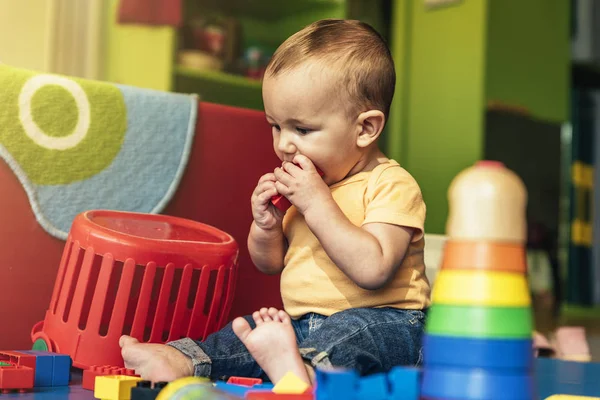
267,249
266,242
369,255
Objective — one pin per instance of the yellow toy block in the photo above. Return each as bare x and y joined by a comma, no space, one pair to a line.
114,387
569,397
290,384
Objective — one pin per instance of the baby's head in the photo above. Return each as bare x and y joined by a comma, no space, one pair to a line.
327,93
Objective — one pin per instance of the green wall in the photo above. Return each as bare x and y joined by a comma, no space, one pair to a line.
441,96
137,55
528,55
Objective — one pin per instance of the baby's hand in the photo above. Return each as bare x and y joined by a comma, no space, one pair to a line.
266,216
302,183
155,362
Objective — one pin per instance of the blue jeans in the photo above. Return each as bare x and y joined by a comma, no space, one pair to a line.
368,340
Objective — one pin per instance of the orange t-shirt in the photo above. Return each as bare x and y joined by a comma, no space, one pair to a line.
311,282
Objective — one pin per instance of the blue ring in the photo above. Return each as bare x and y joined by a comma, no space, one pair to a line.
476,384
516,354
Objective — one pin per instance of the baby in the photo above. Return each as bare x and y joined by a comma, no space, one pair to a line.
349,250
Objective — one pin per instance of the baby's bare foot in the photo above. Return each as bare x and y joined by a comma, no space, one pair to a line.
272,343
155,362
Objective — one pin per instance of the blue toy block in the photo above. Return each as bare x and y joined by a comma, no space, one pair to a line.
263,386
374,387
405,383
43,368
54,369
236,390
336,384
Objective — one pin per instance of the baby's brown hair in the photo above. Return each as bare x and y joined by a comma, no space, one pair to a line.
350,49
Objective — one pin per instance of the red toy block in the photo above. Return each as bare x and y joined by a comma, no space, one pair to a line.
268,395
281,202
240,380
17,358
16,378
90,374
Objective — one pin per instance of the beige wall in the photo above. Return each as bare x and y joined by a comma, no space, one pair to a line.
23,33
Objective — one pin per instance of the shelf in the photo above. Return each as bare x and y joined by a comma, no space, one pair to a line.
219,87
265,9
218,76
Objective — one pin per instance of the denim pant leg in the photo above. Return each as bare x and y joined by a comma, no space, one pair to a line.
368,340
221,355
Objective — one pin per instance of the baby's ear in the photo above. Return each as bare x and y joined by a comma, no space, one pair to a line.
371,125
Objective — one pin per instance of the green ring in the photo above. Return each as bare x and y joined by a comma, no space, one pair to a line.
479,322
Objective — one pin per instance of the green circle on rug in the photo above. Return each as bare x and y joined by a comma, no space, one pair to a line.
92,154
479,322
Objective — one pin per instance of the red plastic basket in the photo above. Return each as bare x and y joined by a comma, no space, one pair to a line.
154,277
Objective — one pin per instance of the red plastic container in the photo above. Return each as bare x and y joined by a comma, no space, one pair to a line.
154,277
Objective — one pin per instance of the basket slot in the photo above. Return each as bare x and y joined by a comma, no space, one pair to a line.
117,320
141,313
198,318
64,299
163,303
100,294
215,304
81,285
181,303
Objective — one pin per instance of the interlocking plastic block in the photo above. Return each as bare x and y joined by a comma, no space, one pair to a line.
268,395
478,353
18,358
290,384
236,390
405,383
146,390
51,369
90,374
14,377
476,384
336,384
374,387
115,387
239,380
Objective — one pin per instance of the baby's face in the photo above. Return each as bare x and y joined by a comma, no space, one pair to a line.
303,107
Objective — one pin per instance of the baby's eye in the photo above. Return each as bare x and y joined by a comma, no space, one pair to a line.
303,131
276,127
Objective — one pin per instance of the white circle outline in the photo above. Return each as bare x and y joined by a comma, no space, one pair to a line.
33,130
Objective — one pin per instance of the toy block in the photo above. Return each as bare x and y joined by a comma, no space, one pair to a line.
52,369
14,377
405,383
90,374
239,380
290,384
146,390
268,395
373,387
18,358
115,387
236,390
281,202
336,384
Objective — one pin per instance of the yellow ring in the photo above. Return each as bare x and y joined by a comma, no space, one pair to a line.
480,287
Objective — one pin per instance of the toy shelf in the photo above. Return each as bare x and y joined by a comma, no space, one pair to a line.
219,87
